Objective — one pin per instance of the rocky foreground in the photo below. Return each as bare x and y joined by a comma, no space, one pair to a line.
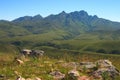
99,70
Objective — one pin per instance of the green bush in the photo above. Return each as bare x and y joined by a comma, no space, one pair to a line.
101,51
115,52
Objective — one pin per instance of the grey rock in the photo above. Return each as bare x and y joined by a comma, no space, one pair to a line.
105,66
73,73
57,75
36,53
87,65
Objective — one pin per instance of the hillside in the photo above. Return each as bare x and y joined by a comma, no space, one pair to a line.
9,29
75,31
74,24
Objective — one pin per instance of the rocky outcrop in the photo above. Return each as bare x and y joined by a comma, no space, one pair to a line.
35,53
97,70
104,63
105,67
81,71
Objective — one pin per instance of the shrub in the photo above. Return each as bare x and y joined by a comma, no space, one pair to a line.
89,49
115,52
101,51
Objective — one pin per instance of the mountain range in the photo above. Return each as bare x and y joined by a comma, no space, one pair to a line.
78,25
71,24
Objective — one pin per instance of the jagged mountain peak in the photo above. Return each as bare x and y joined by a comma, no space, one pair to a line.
95,16
38,15
63,13
83,12
80,13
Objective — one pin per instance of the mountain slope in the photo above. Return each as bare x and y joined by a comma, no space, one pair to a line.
9,29
75,31
76,25
75,22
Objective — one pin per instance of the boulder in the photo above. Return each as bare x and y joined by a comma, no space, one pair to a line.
104,63
87,65
111,72
37,53
57,75
26,51
105,66
73,73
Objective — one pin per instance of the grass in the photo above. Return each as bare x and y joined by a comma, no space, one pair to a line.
73,50
41,67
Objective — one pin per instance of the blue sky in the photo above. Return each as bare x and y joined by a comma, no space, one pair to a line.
11,9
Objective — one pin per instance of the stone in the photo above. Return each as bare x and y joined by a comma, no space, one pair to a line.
57,75
26,51
87,65
73,73
20,78
19,61
37,53
104,63
105,66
